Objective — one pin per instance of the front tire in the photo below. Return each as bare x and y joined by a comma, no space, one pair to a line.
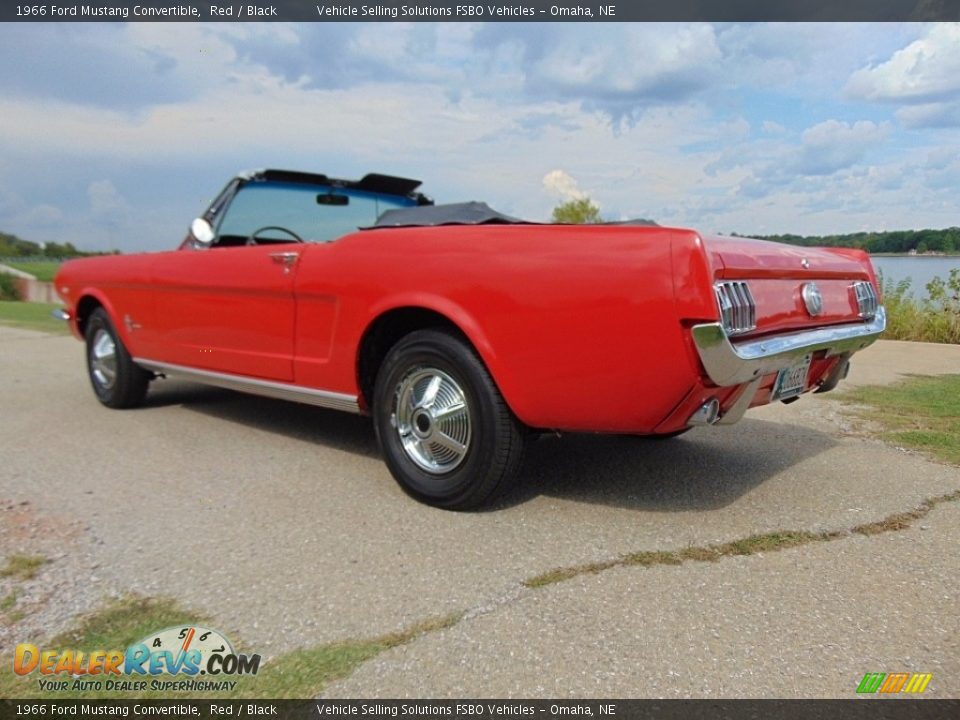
446,434
117,381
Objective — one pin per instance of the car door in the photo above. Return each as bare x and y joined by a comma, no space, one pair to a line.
228,309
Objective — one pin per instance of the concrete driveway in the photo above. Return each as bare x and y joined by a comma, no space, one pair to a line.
281,523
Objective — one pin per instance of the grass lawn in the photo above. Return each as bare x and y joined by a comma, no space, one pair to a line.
42,270
33,316
921,412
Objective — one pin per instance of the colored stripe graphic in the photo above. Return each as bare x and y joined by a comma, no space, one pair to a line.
918,683
903,682
871,682
894,682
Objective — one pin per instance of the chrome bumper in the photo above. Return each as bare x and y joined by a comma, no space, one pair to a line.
729,363
60,314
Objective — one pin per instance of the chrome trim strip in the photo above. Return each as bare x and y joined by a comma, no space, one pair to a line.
266,388
728,364
60,314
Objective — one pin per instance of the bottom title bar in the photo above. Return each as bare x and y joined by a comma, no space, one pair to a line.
854,709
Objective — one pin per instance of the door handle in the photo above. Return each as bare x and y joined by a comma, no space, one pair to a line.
287,259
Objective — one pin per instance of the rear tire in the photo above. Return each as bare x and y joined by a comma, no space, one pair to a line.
446,434
117,381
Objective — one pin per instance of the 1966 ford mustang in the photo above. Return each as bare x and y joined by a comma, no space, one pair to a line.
459,329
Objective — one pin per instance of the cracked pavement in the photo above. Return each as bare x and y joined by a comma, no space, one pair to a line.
281,523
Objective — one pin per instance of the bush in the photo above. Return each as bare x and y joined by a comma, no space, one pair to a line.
8,288
935,319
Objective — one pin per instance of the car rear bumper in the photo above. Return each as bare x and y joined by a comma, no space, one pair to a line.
730,363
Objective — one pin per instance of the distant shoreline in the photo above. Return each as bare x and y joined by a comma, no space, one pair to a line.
944,256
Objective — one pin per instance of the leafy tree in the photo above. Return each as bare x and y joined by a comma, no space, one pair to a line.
53,249
896,241
12,246
580,211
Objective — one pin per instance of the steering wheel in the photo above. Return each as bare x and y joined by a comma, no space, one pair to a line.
252,240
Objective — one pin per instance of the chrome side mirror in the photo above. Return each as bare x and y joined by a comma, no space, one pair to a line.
201,231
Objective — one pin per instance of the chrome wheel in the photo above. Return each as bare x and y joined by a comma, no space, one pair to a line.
432,419
103,359
446,433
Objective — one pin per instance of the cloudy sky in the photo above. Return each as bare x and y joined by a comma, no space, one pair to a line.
117,135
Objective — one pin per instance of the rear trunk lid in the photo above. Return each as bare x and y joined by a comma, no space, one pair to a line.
777,275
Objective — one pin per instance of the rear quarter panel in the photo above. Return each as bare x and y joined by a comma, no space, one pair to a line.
577,324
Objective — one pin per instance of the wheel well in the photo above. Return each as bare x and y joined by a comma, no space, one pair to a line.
85,309
385,332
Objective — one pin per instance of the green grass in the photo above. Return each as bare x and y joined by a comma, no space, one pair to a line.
9,613
32,316
298,674
124,621
41,270
751,545
922,413
8,601
22,567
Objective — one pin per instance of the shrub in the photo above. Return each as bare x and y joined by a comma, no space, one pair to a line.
934,319
8,287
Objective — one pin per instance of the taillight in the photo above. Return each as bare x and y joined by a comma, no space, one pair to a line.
738,311
866,297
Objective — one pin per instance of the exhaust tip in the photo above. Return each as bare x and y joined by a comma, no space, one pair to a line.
706,414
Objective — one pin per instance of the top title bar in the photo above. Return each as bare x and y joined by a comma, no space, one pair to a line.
496,11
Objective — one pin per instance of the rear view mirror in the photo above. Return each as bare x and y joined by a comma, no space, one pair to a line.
201,231
331,199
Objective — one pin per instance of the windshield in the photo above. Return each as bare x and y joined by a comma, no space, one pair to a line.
313,213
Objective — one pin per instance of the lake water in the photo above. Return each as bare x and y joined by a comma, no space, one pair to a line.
921,269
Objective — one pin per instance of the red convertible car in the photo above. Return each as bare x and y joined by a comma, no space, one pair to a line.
460,330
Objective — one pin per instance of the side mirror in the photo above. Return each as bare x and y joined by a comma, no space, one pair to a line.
201,231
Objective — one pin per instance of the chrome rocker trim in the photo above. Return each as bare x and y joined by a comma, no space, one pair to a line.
729,363
255,386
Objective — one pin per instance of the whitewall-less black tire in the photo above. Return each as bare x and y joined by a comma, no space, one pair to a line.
446,433
117,381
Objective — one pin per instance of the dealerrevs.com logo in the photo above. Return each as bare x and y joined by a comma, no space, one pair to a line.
173,659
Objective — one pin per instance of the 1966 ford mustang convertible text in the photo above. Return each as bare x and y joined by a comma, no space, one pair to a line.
460,330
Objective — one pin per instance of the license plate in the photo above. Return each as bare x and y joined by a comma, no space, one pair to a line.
791,381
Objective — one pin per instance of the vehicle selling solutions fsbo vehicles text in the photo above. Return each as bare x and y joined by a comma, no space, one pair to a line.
381,11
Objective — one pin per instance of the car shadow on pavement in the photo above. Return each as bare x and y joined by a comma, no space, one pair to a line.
331,428
704,469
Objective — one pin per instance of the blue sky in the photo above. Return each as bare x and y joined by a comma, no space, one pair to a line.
117,135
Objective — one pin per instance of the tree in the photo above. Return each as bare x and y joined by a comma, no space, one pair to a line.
580,211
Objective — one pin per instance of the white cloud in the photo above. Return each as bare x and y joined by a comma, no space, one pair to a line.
560,183
834,145
931,115
630,64
926,70
105,200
